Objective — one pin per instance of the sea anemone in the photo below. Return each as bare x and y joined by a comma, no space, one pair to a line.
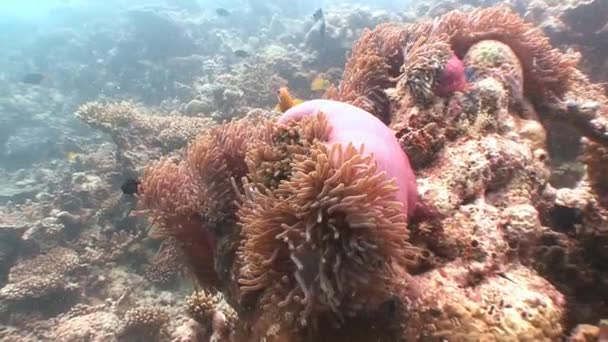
450,78
350,124
423,59
193,200
170,196
330,233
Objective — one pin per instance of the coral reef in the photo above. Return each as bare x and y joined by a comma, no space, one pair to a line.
579,25
146,323
213,313
315,209
186,70
140,137
450,187
41,279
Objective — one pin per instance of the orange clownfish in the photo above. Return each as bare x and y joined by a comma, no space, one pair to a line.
285,100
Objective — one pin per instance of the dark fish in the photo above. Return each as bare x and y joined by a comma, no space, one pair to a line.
33,78
222,12
241,53
129,187
318,15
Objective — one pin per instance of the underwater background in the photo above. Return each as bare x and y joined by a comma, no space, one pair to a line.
395,170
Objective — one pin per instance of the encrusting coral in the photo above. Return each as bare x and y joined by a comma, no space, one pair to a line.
313,226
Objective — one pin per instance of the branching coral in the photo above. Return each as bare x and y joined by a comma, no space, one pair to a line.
43,278
144,324
214,313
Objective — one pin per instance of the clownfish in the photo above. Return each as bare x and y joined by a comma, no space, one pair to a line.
285,100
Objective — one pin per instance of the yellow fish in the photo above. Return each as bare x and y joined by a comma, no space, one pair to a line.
72,156
285,100
319,83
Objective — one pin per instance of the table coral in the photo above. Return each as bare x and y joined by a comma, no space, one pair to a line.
138,134
318,245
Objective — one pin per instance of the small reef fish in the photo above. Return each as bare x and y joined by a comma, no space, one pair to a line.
319,83
285,100
33,78
222,12
129,186
241,53
72,157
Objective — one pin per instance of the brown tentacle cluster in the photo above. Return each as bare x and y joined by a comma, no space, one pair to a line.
168,195
423,62
215,159
270,157
372,67
327,234
193,200
547,71
416,53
